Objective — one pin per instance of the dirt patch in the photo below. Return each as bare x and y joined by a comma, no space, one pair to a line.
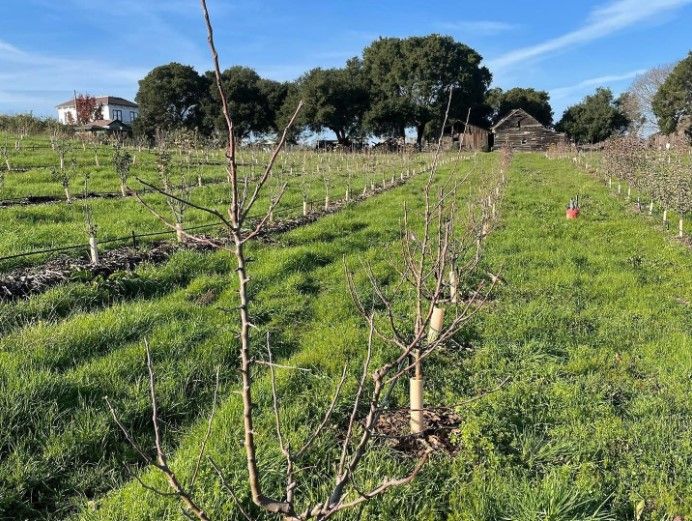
24,282
393,429
45,199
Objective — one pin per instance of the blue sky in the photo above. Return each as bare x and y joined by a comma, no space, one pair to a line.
50,47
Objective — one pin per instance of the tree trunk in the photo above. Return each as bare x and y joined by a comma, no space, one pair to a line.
420,129
341,137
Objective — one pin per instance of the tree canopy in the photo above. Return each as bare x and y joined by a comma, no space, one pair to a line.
672,104
399,83
594,119
170,97
252,102
410,81
336,99
535,102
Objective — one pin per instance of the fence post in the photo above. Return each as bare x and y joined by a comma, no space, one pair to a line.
134,239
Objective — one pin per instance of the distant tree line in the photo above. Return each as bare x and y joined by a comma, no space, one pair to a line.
660,99
397,84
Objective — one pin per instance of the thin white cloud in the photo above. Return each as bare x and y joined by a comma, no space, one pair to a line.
35,81
480,27
602,21
560,93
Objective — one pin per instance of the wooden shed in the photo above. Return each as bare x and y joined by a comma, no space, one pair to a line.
474,138
519,130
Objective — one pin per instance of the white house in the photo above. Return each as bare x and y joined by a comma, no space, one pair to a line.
112,109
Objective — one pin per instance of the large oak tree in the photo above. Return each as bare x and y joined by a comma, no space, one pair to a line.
252,102
410,81
594,119
336,99
672,104
170,97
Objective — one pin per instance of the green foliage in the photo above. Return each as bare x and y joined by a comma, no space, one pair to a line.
252,102
411,78
672,104
336,99
595,119
170,97
535,102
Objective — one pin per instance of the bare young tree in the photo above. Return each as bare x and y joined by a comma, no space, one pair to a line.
122,161
640,96
5,156
431,248
63,175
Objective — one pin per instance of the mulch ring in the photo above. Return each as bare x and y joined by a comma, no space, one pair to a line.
393,429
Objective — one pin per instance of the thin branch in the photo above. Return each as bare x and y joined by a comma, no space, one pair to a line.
208,433
186,202
228,489
327,416
268,170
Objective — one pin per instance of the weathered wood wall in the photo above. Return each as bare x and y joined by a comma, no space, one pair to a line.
475,138
521,131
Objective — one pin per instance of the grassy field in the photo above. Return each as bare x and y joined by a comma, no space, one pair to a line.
590,333
646,185
63,351
25,228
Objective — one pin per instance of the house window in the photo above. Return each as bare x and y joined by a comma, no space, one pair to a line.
519,124
133,115
117,115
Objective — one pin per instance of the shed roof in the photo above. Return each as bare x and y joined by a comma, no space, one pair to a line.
514,112
106,124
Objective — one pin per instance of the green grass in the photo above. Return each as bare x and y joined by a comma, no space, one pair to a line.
58,360
591,330
43,226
